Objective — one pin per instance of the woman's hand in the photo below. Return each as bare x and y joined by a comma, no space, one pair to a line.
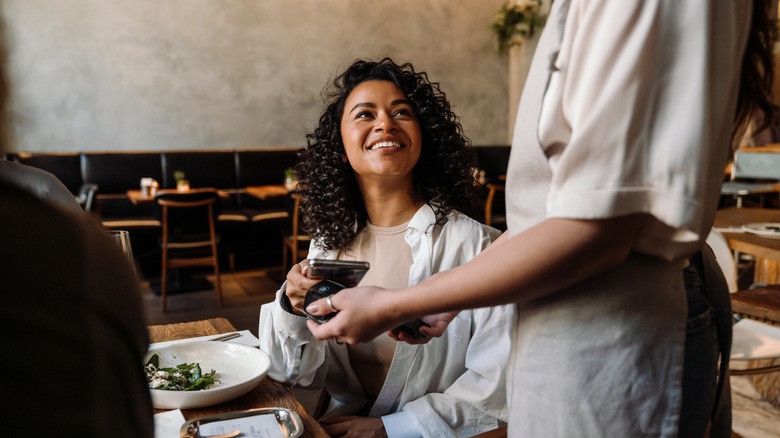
363,313
351,426
438,325
297,286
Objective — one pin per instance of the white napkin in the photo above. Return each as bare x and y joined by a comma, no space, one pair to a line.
167,424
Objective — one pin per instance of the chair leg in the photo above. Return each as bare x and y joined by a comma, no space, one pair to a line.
219,285
219,282
164,280
215,262
284,257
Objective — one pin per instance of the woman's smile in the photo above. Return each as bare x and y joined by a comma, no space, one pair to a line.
386,145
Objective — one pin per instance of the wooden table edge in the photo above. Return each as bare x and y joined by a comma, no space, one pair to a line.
282,396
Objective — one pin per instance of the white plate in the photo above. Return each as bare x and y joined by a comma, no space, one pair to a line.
239,369
768,229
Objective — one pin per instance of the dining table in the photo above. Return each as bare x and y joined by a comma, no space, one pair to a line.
766,250
137,197
267,191
268,392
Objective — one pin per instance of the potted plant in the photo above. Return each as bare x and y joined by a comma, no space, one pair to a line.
290,180
182,184
516,21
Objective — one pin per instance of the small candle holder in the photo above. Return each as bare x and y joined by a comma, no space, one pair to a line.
182,183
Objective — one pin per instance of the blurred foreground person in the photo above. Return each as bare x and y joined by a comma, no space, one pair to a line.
73,332
39,182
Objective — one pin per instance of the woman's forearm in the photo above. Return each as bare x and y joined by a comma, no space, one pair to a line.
553,255
548,257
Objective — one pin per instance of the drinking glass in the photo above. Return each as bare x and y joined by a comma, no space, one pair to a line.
122,238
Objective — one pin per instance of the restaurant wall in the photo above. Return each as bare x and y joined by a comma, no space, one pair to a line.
90,75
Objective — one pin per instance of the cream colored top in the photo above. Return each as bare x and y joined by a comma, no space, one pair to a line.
390,258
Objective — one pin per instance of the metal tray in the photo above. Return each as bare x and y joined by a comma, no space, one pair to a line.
290,425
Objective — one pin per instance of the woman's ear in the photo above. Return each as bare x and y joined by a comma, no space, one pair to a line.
344,158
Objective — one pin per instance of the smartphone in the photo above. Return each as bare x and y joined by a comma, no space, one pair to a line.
327,287
335,275
412,328
345,272
341,274
324,288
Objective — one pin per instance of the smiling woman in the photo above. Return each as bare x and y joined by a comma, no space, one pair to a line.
413,108
385,179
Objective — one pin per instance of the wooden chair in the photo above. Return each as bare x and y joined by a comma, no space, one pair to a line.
755,345
492,219
189,237
295,246
756,342
759,308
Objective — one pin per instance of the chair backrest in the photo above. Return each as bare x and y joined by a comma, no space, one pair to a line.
725,258
490,200
187,213
294,212
86,196
756,163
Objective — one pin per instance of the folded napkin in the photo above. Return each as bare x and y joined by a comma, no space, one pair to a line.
246,338
167,424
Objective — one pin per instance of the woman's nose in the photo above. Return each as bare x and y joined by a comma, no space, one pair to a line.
385,122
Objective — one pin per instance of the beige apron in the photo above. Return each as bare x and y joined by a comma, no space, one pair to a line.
603,358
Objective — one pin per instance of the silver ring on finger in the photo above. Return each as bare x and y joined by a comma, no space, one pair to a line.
329,301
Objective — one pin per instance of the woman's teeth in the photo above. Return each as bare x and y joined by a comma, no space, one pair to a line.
386,144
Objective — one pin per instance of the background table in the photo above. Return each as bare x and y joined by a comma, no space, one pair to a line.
264,192
138,198
268,393
765,250
760,303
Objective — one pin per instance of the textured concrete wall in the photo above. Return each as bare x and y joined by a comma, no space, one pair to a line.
194,74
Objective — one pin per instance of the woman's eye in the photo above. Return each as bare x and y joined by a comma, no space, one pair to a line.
404,112
364,114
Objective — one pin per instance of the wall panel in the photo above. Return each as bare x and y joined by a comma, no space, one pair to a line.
195,74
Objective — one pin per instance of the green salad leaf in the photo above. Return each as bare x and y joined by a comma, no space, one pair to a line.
182,377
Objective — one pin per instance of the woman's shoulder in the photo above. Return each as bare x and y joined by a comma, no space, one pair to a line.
457,226
461,222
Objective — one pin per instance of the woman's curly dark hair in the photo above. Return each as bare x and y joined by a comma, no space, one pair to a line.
755,101
332,205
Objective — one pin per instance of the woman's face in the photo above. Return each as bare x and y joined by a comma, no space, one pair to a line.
381,133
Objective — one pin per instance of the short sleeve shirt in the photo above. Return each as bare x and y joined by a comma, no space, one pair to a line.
633,115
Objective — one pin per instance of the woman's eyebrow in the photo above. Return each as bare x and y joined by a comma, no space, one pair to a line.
363,104
373,105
